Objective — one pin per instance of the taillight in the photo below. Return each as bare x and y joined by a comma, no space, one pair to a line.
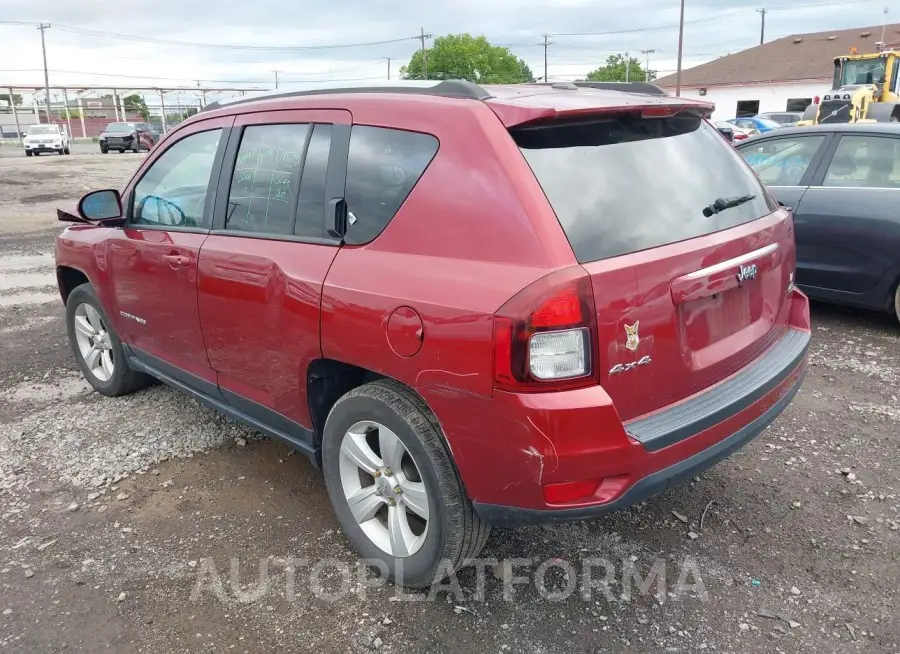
545,336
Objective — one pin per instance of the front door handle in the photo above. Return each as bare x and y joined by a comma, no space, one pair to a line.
176,260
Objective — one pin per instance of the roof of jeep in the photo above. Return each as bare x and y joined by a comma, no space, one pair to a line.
563,96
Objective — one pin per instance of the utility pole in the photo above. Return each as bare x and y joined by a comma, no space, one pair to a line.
388,59
68,115
627,67
422,38
680,46
276,78
647,54
162,102
81,115
42,27
12,103
762,29
546,43
202,95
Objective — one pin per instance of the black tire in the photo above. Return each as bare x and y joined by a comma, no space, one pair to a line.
61,152
455,533
29,153
68,150
897,301
124,380
104,150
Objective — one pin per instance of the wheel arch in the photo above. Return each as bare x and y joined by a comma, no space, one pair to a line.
68,278
328,380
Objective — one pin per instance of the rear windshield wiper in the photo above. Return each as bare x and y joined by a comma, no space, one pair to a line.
721,204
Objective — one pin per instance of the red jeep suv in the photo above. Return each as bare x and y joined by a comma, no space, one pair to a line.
471,306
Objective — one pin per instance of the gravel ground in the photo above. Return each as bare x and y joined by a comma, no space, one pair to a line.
151,524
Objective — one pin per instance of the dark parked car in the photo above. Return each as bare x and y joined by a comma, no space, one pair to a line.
471,306
126,136
843,182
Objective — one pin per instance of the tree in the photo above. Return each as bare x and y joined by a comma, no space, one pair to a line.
177,116
617,69
136,103
462,56
4,97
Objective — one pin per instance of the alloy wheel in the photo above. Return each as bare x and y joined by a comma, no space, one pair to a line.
383,488
94,342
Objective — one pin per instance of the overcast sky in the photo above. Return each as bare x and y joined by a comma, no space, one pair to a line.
713,28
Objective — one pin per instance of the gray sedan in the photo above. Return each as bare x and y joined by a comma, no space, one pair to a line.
843,183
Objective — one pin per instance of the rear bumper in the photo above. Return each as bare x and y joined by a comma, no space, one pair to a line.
653,484
515,452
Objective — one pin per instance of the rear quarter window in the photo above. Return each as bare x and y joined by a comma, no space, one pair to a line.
624,184
383,166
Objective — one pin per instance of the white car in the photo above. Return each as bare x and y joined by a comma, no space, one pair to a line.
47,138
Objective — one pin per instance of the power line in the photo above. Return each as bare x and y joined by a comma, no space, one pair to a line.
708,19
192,79
197,44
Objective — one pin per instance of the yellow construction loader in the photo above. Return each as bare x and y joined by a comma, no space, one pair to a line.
866,89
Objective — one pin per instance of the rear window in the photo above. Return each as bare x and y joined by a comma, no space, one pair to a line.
625,184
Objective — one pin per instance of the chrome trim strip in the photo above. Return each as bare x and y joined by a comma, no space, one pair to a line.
732,263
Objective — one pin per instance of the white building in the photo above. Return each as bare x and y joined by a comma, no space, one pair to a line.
782,75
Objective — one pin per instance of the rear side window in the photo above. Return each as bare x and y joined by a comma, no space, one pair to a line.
865,162
383,167
625,184
266,175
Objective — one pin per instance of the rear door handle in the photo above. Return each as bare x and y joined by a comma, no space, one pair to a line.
176,260
723,276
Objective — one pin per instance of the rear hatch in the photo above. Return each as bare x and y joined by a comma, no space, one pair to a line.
690,259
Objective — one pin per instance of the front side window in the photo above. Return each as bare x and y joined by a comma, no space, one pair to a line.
383,167
865,162
623,184
863,71
266,175
782,162
173,191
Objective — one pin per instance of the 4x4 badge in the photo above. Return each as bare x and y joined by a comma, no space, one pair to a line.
632,339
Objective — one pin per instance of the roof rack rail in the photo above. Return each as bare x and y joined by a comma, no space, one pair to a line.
645,88
453,88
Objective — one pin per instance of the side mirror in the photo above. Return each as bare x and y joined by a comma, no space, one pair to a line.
99,206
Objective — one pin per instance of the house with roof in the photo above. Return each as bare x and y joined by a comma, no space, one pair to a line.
786,74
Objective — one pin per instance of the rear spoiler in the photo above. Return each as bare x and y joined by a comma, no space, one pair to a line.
645,88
